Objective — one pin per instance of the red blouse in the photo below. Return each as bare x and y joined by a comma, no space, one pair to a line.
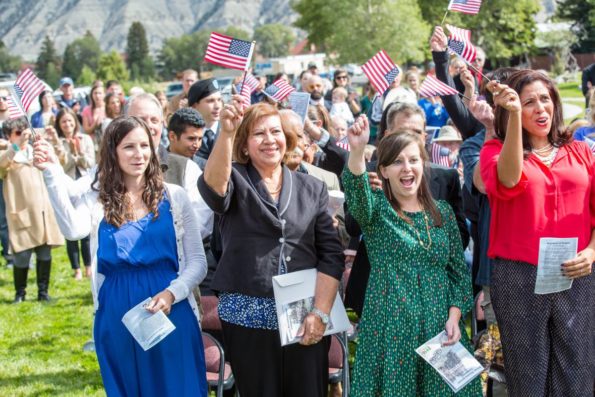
547,202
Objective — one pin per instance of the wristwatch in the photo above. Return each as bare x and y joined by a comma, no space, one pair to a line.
320,314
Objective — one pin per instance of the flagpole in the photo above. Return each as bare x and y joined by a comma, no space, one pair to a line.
18,102
472,67
248,64
243,81
444,17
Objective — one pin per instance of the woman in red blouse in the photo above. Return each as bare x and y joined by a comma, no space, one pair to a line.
540,184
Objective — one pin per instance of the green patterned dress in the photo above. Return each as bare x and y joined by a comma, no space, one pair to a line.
409,293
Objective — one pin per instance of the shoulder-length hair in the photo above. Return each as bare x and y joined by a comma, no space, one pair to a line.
319,113
62,113
109,179
389,149
252,116
558,134
92,100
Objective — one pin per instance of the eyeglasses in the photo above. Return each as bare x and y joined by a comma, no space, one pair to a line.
341,77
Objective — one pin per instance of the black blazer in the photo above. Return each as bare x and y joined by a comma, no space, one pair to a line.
444,185
257,236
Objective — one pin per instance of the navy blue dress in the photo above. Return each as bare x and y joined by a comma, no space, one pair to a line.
139,260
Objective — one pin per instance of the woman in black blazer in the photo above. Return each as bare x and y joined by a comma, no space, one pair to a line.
273,221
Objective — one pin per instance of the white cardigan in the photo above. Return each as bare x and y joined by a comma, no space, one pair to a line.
79,214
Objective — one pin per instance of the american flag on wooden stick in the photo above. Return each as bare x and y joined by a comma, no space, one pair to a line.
28,87
279,90
229,52
465,6
432,87
246,89
459,42
14,110
381,71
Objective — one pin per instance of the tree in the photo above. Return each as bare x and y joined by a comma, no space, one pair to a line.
273,40
82,52
505,29
111,66
184,52
335,25
48,63
581,13
87,76
139,60
8,62
237,33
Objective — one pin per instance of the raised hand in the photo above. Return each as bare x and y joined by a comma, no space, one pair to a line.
359,134
504,96
232,115
438,41
43,154
468,80
482,112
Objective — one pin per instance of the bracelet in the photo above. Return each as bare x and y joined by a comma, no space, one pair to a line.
15,147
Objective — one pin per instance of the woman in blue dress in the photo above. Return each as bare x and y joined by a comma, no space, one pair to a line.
143,234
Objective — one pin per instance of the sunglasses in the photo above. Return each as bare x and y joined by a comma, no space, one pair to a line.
17,132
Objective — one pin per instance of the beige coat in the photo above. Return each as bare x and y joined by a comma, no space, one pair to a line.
31,219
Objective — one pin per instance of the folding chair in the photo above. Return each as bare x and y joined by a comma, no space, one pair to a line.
219,375
338,357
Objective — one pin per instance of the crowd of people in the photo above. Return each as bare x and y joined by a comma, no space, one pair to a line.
447,200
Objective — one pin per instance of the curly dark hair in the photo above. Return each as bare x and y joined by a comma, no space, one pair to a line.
109,179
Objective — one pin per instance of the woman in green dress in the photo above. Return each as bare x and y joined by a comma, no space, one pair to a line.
419,283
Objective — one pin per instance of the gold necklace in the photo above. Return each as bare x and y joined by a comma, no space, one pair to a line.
421,243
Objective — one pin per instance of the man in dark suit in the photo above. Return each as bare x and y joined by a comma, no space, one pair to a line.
444,185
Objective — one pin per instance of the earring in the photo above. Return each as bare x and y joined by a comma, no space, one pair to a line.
245,152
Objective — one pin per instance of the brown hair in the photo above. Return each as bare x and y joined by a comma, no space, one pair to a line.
388,150
108,111
253,115
109,179
63,112
319,113
558,135
95,88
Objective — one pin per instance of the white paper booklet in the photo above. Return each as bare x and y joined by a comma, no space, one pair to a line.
454,363
294,298
336,198
552,253
147,328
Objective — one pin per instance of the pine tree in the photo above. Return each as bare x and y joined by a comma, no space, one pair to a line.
139,61
48,56
84,51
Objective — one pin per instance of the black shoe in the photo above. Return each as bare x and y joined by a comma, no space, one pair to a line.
43,297
19,298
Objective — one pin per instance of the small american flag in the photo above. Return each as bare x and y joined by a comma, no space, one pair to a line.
245,93
279,90
245,90
432,87
438,157
229,52
14,110
381,71
465,6
28,87
344,144
459,42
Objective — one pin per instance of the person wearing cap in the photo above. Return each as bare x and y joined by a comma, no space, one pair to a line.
205,97
67,99
445,147
189,77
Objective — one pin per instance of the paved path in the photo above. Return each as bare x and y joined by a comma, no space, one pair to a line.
572,107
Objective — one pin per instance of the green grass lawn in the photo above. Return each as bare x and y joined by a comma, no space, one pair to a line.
41,343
